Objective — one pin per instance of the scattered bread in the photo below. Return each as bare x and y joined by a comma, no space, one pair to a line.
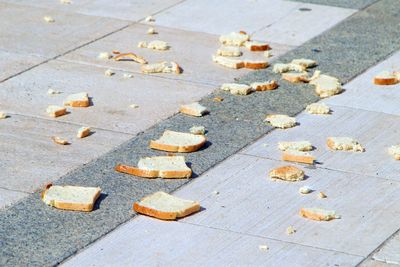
234,38
237,88
264,86
193,109
318,108
281,121
165,206
163,167
104,55
53,92
83,132
307,63
142,44
318,214
163,67
290,230
322,195
198,130
49,19
386,78
287,173
77,100
133,106
68,197
3,115
295,145
395,151
295,77
158,45
130,56
257,46
267,54
263,247
232,63
344,143
151,30
256,64
229,51
281,68
297,156
172,141
305,190
59,140
66,2
149,19
127,75
325,85
56,111
218,99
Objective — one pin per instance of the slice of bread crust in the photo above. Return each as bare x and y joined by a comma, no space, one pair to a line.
78,100
297,156
318,214
178,142
56,111
344,143
385,78
194,109
264,86
287,173
231,63
132,56
295,77
256,64
295,145
256,46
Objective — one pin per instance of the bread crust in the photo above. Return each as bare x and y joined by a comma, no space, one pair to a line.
266,87
264,47
255,65
314,216
287,173
165,215
286,156
189,111
58,113
294,79
183,149
385,81
78,103
330,143
152,173
132,56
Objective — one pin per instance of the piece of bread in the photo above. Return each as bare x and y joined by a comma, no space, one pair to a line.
295,145
318,108
297,156
296,77
318,214
53,92
56,111
264,86
198,130
77,100
256,64
165,206
281,68
83,132
193,109
68,197
151,30
281,121
59,140
49,19
234,38
162,67
130,56
267,54
257,46
158,45
395,151
307,63
3,115
385,78
142,44
287,173
305,190
344,143
178,142
237,88
163,167
104,55
109,72
231,63
325,85
229,51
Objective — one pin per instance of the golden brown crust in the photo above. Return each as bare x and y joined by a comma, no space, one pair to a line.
297,158
385,81
153,173
294,78
178,68
313,216
270,86
172,148
132,56
59,141
255,65
78,103
165,215
59,112
287,173
264,47
330,143
189,111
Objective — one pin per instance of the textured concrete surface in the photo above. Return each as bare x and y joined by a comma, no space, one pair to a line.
13,63
390,252
373,263
8,197
356,4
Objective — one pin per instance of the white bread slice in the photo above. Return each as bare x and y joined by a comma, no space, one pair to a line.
49,19
3,115
163,167
198,130
295,77
264,86
231,63
318,214
193,109
237,88
77,100
59,140
287,173
68,197
255,64
395,151
229,51
308,63
344,143
281,68
325,85
83,132
257,46
234,39
386,78
162,67
281,121
56,111
297,156
104,55
178,142
158,45
151,30
295,145
130,56
165,206
318,108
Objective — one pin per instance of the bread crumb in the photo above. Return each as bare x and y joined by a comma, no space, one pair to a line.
281,121
127,75
263,247
133,106
66,2
151,30
267,54
53,92
198,130
83,132
215,193
59,140
104,55
290,230
48,19
149,19
218,99
322,195
3,115
109,72
142,44
305,190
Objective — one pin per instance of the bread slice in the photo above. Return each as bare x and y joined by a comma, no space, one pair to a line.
130,56
237,88
77,100
56,111
281,68
234,38
287,173
318,214
229,51
295,145
295,77
68,197
344,143
257,46
307,63
59,140
193,109
395,151
318,108
165,206
198,130
104,55
281,121
231,63
256,64
151,30
163,167
385,78
162,67
264,86
158,45
3,115
178,142
83,132
325,85
297,156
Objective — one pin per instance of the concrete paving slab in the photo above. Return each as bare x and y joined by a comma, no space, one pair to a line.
191,50
390,252
251,203
356,4
150,242
373,263
31,34
9,197
303,24
30,159
111,96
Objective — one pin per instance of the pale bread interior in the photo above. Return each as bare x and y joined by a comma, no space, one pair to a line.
163,163
83,96
179,139
198,130
249,44
308,63
236,88
281,67
229,51
394,151
234,39
70,194
53,109
158,45
228,62
385,75
295,145
318,108
346,143
164,202
297,153
196,107
281,121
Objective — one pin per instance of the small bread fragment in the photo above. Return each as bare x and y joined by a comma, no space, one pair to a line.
234,38
257,46
290,230
193,109
264,86
229,51
130,56
158,45
77,100
56,111
305,190
256,64
104,55
318,108
267,54
172,141
307,63
281,121
386,78
142,44
395,151
151,30
163,167
295,145
83,132
325,85
344,143
237,88
59,140
76,198
49,19
3,115
165,206
318,214
149,19
322,195
198,130
53,92
297,156
232,63
163,67
281,68
296,77
287,173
